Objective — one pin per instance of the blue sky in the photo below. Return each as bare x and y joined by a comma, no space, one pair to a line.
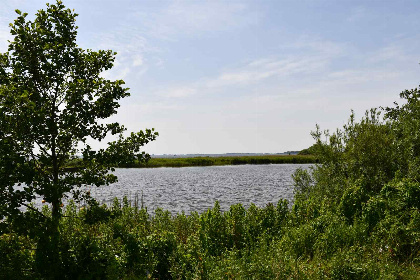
246,76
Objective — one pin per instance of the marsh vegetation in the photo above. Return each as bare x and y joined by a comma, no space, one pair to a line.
228,160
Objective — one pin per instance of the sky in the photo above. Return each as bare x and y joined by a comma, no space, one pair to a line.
246,76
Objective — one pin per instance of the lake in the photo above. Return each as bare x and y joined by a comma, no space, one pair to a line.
197,188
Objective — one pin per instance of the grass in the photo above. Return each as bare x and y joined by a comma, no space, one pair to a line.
127,242
218,161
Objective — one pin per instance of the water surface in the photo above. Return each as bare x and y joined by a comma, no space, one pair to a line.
197,188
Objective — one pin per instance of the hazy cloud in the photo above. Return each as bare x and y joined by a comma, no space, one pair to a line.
186,18
176,92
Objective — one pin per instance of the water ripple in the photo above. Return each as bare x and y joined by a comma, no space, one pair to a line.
197,188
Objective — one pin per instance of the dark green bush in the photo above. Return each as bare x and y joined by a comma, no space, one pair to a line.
16,261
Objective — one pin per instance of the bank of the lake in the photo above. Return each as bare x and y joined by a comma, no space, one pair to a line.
226,160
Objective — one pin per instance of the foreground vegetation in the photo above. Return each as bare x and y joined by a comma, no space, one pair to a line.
209,161
274,242
354,216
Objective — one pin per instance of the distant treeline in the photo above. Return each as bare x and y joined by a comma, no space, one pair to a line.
209,161
309,151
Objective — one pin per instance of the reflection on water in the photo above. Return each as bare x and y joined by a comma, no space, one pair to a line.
197,188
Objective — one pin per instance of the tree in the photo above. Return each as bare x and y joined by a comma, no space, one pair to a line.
309,151
405,120
52,100
360,153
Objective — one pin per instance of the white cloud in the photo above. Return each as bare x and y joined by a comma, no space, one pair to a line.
8,15
390,53
138,60
4,36
260,72
175,92
353,76
159,62
263,69
357,14
151,108
181,92
134,39
315,45
197,17
4,31
310,56
130,58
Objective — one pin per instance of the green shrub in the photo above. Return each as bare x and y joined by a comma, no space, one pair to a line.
16,257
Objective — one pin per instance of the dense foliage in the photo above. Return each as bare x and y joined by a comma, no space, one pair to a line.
274,242
53,100
309,151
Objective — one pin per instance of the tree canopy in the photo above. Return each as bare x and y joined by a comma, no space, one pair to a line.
53,103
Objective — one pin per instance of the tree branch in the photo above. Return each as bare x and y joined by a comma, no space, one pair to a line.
34,209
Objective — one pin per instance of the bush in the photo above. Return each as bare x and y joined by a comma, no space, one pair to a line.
15,258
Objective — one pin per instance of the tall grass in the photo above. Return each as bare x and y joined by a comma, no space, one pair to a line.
209,161
124,241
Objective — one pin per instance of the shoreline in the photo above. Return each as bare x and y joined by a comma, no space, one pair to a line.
221,161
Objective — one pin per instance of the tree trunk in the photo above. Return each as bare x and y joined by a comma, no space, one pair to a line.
55,217
48,256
